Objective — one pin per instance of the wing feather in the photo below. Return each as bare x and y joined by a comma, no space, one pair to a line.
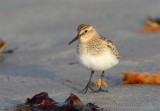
111,45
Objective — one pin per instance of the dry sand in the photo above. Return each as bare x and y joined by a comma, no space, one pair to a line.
41,29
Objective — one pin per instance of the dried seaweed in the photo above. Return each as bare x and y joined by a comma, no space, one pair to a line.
151,25
2,45
141,78
42,102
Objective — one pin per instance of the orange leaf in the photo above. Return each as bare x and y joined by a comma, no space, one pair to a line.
100,83
2,45
141,78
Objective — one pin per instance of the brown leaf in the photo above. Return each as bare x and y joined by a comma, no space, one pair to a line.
141,78
152,25
2,45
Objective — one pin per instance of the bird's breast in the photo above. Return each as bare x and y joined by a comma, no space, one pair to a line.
99,62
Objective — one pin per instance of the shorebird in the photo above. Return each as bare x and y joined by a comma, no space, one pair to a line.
95,52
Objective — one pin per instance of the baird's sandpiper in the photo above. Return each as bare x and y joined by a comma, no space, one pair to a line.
95,52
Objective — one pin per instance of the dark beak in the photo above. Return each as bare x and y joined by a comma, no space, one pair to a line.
76,38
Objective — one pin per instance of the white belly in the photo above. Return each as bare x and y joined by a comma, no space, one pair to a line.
98,63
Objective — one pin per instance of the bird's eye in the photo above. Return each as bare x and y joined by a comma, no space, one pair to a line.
86,31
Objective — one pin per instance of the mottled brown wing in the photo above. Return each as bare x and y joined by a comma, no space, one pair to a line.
112,47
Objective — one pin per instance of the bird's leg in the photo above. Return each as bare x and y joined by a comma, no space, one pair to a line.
88,84
100,88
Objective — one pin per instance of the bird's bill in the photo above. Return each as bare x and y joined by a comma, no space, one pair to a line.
76,38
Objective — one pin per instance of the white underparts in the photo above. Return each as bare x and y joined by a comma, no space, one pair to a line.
98,62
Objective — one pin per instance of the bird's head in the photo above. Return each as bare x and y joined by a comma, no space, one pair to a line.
85,33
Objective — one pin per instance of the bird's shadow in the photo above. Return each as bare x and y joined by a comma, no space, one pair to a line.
114,80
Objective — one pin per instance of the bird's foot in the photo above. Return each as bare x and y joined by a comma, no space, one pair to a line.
101,90
86,89
94,91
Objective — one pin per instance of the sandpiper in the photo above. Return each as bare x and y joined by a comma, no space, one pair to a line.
95,52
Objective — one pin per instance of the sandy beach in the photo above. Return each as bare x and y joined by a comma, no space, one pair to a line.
41,30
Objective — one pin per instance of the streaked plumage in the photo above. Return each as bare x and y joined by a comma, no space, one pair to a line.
94,51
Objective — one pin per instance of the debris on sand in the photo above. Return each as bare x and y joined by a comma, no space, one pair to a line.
101,83
151,25
2,45
141,78
42,102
